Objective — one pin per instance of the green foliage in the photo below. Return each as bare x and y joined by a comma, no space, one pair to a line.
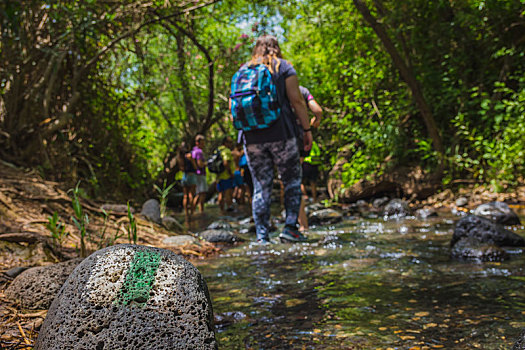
365,99
57,230
132,227
163,196
103,239
466,58
108,101
492,152
80,219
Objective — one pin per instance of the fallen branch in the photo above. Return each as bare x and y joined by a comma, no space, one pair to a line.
19,237
42,313
6,200
23,333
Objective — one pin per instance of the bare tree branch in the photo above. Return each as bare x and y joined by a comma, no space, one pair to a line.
406,74
211,73
139,27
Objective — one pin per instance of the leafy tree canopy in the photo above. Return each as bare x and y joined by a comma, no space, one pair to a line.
106,90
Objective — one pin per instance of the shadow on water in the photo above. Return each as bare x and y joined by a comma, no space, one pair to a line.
365,284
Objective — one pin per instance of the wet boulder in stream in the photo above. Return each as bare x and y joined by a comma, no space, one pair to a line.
498,212
426,213
472,249
520,343
131,297
485,231
313,207
397,208
362,207
325,217
219,236
220,225
379,202
172,224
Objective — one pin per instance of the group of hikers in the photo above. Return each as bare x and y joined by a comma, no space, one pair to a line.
233,178
269,109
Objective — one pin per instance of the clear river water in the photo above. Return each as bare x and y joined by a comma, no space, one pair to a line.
366,284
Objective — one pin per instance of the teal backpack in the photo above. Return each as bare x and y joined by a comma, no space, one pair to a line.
254,103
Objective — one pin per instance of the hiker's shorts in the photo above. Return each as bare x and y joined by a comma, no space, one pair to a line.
223,185
189,179
202,186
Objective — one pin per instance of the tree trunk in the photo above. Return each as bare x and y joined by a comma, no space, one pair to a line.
406,74
186,96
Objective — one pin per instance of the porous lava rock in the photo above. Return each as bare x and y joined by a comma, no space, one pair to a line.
219,236
131,297
15,271
325,217
36,287
498,212
397,208
520,343
151,210
472,249
485,231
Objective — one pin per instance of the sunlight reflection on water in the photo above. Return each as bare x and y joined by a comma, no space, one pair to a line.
366,284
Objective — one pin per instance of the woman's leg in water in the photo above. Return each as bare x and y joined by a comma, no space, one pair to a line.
286,157
261,166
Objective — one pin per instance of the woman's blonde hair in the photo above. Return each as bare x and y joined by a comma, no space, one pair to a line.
267,50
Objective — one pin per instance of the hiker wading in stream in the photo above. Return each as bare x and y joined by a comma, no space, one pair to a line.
264,91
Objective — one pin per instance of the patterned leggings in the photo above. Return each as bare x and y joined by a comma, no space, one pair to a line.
261,160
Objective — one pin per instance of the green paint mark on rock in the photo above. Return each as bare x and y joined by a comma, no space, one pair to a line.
139,279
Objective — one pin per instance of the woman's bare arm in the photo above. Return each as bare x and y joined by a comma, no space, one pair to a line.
297,101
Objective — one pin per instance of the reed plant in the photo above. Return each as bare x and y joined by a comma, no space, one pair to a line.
163,196
80,219
132,227
57,230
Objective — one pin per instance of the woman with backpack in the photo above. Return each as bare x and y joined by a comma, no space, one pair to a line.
271,141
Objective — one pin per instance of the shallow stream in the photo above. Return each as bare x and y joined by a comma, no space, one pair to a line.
365,284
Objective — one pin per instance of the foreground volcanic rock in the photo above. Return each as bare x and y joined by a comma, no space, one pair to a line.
129,296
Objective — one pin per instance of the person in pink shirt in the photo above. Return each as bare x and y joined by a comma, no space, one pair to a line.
201,185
